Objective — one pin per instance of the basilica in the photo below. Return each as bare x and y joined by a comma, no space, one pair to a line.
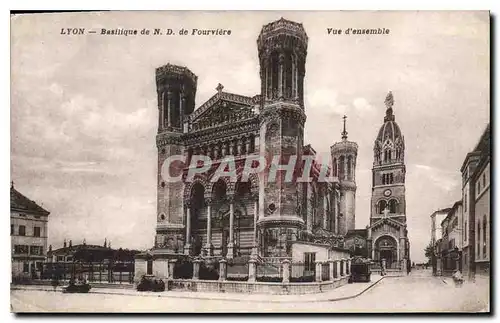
226,218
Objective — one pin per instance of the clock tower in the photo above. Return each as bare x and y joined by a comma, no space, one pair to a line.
387,233
388,172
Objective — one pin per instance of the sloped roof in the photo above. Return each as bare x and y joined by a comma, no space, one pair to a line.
19,202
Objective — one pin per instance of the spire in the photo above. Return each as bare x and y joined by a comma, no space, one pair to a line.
64,243
105,242
389,102
344,133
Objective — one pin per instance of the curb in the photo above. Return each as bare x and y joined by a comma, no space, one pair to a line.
95,291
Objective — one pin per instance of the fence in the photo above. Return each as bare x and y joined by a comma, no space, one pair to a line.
183,270
237,270
114,272
301,272
269,272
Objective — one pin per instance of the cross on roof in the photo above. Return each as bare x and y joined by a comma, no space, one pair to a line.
219,88
344,133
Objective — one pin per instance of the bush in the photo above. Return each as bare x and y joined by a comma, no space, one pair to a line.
149,284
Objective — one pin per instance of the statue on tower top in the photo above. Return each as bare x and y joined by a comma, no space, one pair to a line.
389,100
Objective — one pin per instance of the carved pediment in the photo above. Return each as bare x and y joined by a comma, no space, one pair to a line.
221,113
386,222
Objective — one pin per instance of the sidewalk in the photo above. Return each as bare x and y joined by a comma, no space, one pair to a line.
344,292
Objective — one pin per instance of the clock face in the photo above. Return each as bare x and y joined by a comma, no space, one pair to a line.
387,193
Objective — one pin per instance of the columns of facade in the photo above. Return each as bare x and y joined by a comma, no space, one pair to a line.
224,149
369,243
230,245
402,243
169,108
247,145
325,207
345,168
182,103
309,208
336,214
187,246
209,246
240,146
231,147
255,218
280,75
162,111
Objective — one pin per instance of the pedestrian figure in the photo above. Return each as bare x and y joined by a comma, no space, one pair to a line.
458,278
55,283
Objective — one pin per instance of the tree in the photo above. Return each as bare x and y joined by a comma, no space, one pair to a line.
429,252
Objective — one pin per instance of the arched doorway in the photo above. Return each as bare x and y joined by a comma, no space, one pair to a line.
386,248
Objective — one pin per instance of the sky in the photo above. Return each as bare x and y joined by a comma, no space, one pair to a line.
84,111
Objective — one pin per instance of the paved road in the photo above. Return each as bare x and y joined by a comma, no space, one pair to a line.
418,292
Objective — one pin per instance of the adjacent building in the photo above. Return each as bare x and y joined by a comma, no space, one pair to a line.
28,233
436,237
476,208
451,241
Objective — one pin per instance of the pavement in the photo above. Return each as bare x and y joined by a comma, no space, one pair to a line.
344,292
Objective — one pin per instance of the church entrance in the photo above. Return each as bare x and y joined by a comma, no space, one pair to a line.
387,248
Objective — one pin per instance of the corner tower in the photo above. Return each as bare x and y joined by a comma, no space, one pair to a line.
344,154
282,47
389,171
176,90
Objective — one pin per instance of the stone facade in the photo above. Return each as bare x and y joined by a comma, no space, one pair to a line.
220,216
28,235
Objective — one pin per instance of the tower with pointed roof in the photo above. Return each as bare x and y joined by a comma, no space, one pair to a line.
344,154
388,234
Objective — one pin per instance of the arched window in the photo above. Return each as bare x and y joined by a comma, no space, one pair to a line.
383,179
465,230
341,166
381,206
484,236
349,166
391,178
478,238
385,155
334,166
393,206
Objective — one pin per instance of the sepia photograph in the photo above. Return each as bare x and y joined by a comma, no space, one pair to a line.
250,162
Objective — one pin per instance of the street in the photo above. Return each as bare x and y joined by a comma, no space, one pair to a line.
418,292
